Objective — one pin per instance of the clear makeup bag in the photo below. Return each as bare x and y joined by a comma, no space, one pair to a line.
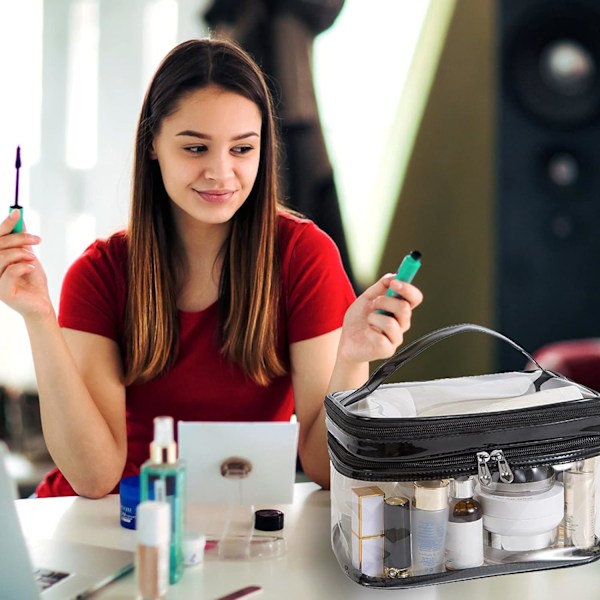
461,478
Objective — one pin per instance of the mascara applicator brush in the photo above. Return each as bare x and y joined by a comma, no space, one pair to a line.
18,228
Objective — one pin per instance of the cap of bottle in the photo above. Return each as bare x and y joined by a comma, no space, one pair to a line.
153,522
163,430
193,548
462,487
163,448
431,495
268,520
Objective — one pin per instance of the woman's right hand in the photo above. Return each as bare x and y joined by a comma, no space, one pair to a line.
23,284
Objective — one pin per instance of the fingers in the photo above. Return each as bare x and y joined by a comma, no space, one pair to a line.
369,334
409,292
15,247
392,325
406,291
391,315
14,256
13,240
378,288
17,270
9,222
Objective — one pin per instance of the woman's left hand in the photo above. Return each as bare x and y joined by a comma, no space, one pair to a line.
369,335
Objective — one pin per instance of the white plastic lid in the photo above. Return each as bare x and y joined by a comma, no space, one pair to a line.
193,548
163,431
153,523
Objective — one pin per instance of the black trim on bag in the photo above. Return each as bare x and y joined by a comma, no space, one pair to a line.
445,466
412,438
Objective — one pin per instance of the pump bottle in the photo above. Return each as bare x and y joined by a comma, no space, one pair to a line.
163,465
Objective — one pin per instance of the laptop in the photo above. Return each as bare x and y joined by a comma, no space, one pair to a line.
62,569
268,449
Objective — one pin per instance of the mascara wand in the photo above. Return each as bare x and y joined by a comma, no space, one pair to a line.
17,167
18,228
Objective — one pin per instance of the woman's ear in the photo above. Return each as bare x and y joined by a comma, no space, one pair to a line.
152,152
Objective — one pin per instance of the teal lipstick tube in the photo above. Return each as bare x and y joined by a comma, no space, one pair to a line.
407,270
18,228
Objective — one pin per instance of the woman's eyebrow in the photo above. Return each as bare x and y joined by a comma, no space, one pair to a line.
205,136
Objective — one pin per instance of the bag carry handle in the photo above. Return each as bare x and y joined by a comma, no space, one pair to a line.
407,353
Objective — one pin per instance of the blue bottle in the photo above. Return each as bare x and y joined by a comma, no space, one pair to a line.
163,465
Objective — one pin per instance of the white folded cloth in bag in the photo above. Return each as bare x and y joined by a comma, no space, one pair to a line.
463,395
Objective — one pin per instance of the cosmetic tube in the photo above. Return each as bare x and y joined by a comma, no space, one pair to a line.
396,520
580,504
464,538
367,530
152,552
163,466
429,522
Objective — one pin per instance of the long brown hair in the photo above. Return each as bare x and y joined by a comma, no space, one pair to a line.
249,284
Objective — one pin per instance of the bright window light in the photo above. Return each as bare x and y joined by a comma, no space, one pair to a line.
160,34
20,117
21,99
82,86
361,66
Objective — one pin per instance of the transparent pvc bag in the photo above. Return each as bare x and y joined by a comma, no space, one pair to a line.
463,478
383,537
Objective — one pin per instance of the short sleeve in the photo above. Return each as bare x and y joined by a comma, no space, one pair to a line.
93,291
318,291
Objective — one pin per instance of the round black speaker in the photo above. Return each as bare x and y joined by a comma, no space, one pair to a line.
551,62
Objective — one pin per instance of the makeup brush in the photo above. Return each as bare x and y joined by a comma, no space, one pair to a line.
18,228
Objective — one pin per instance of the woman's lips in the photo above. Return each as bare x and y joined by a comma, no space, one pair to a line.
215,196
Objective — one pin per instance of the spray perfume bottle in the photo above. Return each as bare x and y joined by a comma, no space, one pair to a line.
164,466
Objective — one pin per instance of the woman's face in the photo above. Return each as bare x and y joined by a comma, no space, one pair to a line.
208,151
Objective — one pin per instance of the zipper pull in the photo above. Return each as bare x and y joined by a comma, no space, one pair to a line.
483,471
504,470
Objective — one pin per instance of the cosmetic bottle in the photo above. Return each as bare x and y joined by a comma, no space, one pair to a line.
464,537
396,550
580,504
152,552
164,466
429,522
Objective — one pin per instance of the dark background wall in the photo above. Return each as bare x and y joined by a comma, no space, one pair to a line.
548,183
502,194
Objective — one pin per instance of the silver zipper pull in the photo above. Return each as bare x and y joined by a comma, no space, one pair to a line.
483,471
504,470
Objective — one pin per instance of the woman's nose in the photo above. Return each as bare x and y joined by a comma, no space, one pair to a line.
218,168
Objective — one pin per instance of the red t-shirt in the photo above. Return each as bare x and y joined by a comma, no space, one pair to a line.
201,385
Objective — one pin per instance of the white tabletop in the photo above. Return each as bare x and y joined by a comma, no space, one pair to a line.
308,570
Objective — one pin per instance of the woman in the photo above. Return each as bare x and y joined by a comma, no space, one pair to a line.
215,304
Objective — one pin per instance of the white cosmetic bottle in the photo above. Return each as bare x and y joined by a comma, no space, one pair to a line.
464,538
153,523
429,521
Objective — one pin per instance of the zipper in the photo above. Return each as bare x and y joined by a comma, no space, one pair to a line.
470,463
483,471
